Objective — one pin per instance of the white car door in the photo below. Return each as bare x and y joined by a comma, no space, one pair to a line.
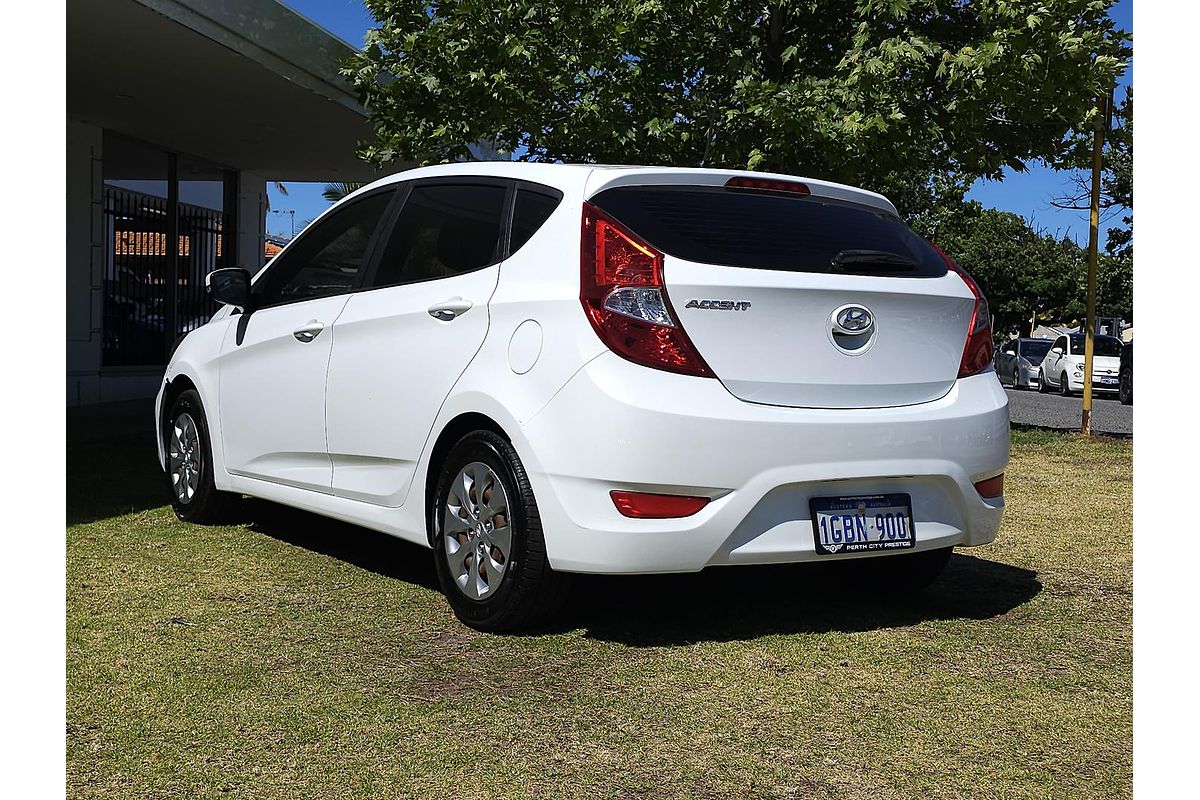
275,358
402,343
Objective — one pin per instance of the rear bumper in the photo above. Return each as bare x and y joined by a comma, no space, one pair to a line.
619,426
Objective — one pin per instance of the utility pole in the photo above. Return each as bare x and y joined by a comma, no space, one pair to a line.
290,211
1103,107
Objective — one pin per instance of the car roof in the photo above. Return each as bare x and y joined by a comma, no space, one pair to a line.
587,180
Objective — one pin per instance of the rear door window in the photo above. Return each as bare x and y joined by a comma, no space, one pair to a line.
533,207
761,230
444,229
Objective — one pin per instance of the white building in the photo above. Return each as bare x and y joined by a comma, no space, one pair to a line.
177,113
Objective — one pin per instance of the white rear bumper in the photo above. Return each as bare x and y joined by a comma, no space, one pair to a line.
616,425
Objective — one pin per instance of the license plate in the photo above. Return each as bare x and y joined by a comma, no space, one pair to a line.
1109,381
862,524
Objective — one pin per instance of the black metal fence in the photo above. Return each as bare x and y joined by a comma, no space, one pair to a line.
140,269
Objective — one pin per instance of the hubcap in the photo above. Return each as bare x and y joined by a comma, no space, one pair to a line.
475,524
184,453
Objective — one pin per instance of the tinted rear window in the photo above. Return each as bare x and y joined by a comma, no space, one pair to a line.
713,225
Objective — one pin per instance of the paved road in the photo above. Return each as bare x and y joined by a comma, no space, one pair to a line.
1053,411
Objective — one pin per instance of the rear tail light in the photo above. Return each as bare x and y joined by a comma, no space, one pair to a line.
977,353
643,505
622,291
992,487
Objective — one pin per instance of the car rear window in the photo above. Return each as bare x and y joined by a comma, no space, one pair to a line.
761,230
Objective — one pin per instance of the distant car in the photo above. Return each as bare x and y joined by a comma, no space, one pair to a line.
1017,361
1062,368
1125,392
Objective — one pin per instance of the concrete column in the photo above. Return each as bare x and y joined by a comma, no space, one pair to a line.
251,221
85,261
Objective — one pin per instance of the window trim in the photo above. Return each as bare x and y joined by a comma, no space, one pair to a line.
372,254
403,194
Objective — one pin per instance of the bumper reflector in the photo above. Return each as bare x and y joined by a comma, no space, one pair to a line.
992,487
643,505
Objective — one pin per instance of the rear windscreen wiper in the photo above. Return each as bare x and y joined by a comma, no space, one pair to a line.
871,261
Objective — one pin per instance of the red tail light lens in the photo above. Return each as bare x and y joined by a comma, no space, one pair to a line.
621,288
643,505
977,353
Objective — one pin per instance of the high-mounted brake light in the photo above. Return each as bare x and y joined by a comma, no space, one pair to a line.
977,353
767,185
644,505
622,291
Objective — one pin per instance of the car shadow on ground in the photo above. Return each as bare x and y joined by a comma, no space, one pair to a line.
718,604
364,548
736,603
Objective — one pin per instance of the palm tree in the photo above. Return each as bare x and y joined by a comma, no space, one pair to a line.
336,191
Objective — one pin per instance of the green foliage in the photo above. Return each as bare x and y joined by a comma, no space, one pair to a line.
1021,270
878,93
336,191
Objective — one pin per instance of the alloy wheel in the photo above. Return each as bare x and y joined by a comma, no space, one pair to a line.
476,530
184,454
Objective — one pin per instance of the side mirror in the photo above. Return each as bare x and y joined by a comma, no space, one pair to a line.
230,287
1058,351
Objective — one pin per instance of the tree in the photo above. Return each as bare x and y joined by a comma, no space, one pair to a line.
879,93
336,191
1021,270
1114,277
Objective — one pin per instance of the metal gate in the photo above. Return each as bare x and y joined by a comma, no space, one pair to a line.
141,268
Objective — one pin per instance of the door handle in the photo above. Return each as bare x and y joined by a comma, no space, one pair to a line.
308,331
449,309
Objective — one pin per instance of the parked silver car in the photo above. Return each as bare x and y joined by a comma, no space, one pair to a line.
1017,361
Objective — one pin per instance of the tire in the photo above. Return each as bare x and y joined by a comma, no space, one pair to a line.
524,592
1043,387
189,474
905,572
1064,388
1016,378
1125,392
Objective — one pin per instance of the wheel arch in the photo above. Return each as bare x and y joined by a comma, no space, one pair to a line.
450,434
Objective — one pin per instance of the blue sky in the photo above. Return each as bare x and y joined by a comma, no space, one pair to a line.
1028,194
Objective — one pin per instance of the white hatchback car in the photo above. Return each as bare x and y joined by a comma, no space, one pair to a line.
544,369
1062,367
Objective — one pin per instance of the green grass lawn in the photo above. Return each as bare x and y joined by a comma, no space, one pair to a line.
291,656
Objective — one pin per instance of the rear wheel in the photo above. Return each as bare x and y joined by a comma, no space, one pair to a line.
488,546
1064,388
194,495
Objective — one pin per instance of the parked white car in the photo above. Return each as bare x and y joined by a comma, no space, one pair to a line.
1062,368
538,370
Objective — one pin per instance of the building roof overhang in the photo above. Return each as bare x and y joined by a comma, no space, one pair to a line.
248,84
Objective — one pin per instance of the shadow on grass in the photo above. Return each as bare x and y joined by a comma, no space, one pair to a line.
735,603
718,604
112,462
364,548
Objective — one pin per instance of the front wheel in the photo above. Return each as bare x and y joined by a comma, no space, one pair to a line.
1043,387
194,495
488,547
1064,388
